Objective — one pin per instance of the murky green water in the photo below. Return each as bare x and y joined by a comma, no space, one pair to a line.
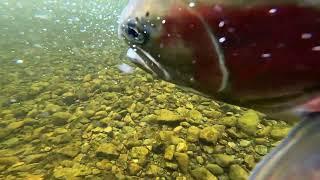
68,112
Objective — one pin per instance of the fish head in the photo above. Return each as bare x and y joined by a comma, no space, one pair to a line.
162,38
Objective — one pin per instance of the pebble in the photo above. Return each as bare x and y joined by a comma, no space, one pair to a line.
15,125
278,133
248,122
261,149
172,166
169,152
215,169
244,143
70,150
9,160
60,118
183,161
224,160
209,134
181,147
202,173
200,159
134,168
108,150
104,165
167,116
193,134
229,121
236,172
140,153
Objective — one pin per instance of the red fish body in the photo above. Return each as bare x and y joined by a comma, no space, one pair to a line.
262,56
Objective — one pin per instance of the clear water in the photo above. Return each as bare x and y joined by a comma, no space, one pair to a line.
72,107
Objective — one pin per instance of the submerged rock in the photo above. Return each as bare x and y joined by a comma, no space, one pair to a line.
224,160
167,116
108,150
183,161
70,150
215,169
193,134
134,168
60,118
202,173
9,160
248,122
261,149
236,172
140,153
209,134
279,133
169,152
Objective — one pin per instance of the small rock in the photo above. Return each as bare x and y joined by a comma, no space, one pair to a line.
139,153
200,159
70,150
4,132
181,147
261,149
8,160
108,150
169,137
229,121
52,108
236,172
250,161
15,125
161,98
202,173
104,165
262,141
193,134
244,143
154,170
165,115
209,134
183,161
195,116
279,133
34,158
215,169
248,122
11,142
264,131
172,166
224,160
60,118
169,152
69,98
77,170
134,168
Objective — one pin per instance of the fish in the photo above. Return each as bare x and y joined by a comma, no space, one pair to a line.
261,55
258,54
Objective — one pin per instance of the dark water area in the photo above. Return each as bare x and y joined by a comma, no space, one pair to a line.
67,111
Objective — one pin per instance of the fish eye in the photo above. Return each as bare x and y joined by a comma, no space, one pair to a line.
134,32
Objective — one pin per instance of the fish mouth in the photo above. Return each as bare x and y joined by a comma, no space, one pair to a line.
147,62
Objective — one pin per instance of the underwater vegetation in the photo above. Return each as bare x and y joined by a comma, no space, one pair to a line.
68,112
